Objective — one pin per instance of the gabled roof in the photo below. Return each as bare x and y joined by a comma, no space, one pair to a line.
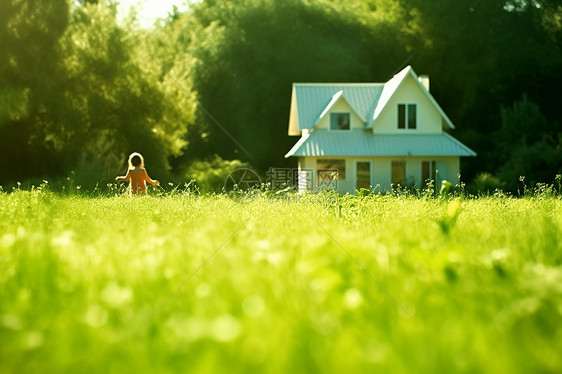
313,100
392,86
365,143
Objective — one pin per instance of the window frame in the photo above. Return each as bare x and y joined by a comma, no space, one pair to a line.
407,116
333,114
331,161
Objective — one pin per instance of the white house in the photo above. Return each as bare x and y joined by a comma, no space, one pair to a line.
360,135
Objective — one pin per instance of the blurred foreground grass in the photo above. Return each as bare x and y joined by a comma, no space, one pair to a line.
119,284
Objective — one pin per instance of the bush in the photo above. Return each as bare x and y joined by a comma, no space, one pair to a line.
485,183
210,175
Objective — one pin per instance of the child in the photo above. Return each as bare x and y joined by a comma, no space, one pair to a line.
137,175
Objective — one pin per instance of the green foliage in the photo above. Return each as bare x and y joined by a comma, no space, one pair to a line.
79,91
528,145
485,183
211,175
82,93
30,32
447,222
445,188
522,124
200,283
121,96
247,54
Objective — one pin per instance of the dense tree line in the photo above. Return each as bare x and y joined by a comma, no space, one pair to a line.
79,90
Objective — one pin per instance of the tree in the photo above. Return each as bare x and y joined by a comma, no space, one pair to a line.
247,55
83,94
483,55
118,101
527,145
30,32
77,88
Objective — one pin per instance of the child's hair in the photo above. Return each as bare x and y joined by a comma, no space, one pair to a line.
136,160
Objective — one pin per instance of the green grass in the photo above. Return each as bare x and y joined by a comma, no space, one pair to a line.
98,284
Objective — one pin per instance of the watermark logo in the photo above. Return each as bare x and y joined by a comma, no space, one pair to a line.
328,179
302,179
242,184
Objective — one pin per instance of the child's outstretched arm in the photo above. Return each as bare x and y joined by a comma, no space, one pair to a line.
124,178
149,180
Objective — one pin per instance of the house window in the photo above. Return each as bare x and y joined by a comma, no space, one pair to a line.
339,121
329,170
428,172
398,173
363,174
407,116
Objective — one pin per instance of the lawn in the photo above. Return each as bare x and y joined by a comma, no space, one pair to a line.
303,284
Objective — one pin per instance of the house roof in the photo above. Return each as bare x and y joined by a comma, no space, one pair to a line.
312,101
365,143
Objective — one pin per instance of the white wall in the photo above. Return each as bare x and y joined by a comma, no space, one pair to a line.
428,117
448,168
293,115
341,107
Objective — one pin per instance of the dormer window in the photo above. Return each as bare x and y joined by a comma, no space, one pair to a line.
407,116
340,121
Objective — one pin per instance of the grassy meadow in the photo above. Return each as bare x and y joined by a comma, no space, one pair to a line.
293,284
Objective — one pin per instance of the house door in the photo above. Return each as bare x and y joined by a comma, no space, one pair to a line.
398,173
363,174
